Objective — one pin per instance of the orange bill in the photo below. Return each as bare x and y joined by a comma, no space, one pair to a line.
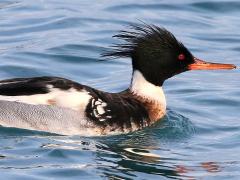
203,65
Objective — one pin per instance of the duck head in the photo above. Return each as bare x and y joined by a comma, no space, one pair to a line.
157,54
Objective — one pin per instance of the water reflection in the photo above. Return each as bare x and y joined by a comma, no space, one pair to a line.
211,167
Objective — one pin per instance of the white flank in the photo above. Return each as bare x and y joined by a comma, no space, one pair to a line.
72,98
141,87
76,100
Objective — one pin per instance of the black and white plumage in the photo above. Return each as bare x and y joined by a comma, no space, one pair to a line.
61,106
97,112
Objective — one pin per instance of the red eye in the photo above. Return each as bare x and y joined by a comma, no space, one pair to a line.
181,57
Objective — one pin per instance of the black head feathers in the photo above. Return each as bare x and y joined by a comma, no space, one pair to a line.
154,51
142,36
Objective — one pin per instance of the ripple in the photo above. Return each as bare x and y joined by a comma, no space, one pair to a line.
227,6
15,70
56,24
7,4
175,127
154,6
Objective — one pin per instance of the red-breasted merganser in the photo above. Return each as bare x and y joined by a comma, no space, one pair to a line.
61,106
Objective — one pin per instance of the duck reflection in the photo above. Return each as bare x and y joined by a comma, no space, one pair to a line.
211,167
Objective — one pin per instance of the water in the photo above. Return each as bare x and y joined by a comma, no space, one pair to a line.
199,137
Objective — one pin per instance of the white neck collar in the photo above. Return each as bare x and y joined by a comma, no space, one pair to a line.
141,87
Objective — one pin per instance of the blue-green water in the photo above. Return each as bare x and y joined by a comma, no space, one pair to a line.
200,136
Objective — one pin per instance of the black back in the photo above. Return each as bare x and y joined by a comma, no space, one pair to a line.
35,85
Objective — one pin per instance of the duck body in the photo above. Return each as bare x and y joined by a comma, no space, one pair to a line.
62,106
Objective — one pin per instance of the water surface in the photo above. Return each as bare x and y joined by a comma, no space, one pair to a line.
198,138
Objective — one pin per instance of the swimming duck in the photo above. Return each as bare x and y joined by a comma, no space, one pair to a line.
61,106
